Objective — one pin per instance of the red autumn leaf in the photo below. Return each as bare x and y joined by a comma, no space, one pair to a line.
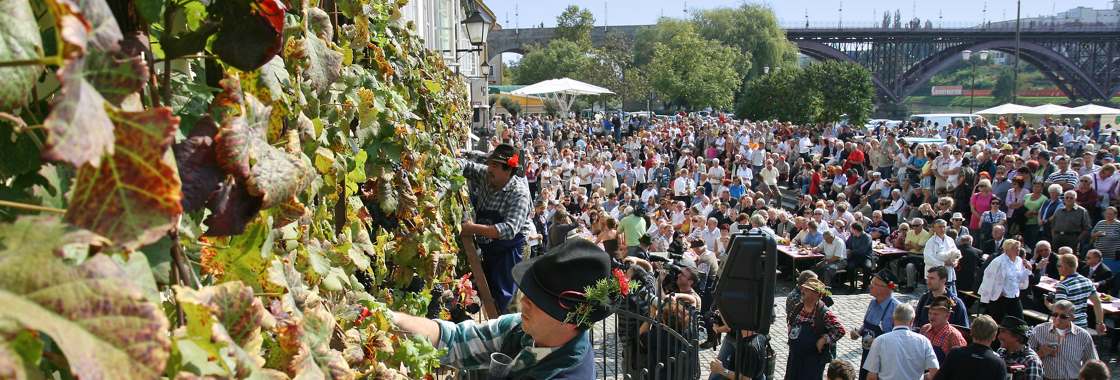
133,197
249,36
198,165
115,75
231,209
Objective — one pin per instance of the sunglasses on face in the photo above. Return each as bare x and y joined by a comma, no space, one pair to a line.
1063,316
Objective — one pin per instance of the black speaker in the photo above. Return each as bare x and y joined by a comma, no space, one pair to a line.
745,293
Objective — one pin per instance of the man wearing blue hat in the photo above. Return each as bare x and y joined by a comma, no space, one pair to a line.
548,339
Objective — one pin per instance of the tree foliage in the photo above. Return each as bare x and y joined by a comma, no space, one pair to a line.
575,24
253,213
1004,88
691,71
560,58
844,87
754,30
783,95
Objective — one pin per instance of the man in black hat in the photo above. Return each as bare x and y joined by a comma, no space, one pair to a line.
501,203
1022,362
878,319
548,339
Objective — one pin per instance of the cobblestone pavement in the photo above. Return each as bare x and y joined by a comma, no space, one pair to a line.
849,308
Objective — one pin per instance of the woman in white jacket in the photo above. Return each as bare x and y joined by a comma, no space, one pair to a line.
1005,277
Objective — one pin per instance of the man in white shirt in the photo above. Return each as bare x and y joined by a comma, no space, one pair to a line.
901,354
835,253
942,251
769,176
683,186
648,193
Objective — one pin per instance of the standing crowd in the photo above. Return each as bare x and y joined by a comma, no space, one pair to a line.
992,215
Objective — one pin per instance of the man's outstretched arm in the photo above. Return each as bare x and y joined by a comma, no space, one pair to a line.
417,326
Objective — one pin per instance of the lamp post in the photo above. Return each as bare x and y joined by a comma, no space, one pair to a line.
967,56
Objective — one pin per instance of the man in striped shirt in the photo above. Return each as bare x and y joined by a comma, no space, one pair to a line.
1078,290
1063,346
1064,175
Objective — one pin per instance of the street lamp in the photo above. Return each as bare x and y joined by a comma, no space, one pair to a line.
478,28
766,69
967,56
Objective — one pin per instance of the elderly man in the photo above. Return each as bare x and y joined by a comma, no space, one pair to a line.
1079,291
941,250
977,360
1063,346
1064,176
1070,224
1022,362
835,256
545,338
901,353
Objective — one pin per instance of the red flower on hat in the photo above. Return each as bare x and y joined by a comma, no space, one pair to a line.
623,284
513,160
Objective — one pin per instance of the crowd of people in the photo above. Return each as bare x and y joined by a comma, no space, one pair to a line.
986,210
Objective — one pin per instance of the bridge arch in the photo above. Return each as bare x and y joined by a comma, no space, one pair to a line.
1071,79
820,52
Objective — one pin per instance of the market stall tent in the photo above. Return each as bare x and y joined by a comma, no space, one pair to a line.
562,90
1093,109
1006,109
1048,109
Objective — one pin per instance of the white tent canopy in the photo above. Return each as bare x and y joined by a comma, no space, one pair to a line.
1005,109
1093,109
1048,109
562,90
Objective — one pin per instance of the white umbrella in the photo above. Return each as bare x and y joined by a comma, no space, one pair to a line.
562,90
1005,109
1093,109
1048,109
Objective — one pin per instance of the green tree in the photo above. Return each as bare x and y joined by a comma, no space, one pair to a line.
510,105
1004,88
783,95
844,88
560,58
575,24
646,38
691,71
753,30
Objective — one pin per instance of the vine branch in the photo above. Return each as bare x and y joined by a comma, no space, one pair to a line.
30,207
46,61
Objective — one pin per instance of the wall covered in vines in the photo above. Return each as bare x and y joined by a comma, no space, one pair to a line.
222,188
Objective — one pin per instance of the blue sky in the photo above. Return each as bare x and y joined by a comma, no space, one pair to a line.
790,12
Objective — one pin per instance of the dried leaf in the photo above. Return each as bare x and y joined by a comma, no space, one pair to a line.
97,316
134,197
115,75
245,258
106,33
74,30
19,40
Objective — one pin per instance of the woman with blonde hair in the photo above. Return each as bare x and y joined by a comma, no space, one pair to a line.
980,202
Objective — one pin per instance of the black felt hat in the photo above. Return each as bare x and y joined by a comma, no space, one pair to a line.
556,281
1016,326
887,277
505,154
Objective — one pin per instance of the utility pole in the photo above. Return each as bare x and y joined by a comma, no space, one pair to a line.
806,18
1015,75
840,25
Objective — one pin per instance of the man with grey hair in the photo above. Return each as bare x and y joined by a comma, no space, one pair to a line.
940,250
901,354
1070,224
1063,346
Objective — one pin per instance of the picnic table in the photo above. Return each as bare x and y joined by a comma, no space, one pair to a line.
1050,285
888,251
791,255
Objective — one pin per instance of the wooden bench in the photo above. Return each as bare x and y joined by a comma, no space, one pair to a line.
1035,316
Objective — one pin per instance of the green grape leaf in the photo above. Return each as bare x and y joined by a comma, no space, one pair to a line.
315,358
324,65
94,312
21,155
245,258
150,10
226,321
80,129
19,40
198,165
134,197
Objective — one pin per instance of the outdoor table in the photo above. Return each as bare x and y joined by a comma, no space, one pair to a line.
791,255
1049,285
890,252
